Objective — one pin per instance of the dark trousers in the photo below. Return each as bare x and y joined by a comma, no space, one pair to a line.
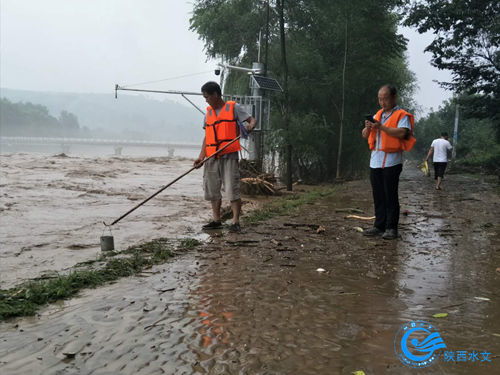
385,183
439,169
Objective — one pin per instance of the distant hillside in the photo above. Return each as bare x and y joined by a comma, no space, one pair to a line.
27,119
129,116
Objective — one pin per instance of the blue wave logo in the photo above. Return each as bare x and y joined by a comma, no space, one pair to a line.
416,344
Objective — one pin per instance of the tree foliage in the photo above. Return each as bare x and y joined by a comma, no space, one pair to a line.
316,33
27,119
477,146
68,121
467,40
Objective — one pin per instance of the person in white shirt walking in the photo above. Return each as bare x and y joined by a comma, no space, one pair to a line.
439,148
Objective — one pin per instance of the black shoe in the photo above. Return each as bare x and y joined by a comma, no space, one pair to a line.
390,234
373,232
235,228
212,225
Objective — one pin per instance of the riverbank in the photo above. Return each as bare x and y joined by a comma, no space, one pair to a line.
28,297
258,303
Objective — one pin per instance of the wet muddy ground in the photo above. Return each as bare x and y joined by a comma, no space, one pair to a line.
254,303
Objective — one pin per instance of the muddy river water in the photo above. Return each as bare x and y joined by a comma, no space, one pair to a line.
52,208
255,302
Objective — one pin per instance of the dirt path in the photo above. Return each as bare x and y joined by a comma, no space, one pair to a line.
254,303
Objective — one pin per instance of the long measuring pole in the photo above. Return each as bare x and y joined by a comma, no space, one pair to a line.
172,182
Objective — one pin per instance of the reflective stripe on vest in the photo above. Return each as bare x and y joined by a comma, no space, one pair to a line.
220,129
387,142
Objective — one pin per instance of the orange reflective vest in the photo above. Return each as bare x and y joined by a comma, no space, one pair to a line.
220,129
387,142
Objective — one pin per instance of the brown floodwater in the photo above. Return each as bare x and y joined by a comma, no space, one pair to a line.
255,302
52,208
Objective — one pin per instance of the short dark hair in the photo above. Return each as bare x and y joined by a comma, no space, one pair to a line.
392,89
211,87
444,134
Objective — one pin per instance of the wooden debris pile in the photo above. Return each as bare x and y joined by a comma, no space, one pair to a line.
255,182
260,185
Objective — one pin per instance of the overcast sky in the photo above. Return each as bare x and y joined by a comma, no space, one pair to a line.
89,45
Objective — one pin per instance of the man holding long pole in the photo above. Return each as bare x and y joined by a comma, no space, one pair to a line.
223,123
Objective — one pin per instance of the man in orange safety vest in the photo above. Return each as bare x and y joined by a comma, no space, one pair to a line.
389,133
223,123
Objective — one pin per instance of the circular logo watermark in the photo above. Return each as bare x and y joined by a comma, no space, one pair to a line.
416,342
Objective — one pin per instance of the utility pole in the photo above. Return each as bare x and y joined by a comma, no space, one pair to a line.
222,74
267,40
255,145
455,134
286,119
343,105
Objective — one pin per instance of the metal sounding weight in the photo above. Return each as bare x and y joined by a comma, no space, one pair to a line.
172,182
107,241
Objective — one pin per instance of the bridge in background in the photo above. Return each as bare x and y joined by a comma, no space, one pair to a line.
117,144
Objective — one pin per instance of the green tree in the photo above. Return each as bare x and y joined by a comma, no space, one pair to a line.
477,147
467,40
323,81
69,121
27,119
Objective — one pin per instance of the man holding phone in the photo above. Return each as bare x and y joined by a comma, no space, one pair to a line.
389,133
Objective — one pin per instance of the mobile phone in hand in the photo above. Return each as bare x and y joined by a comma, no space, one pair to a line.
370,118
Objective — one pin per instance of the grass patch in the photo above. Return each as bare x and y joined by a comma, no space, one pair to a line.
189,243
26,299
288,204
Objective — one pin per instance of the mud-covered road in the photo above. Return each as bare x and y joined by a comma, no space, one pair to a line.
254,303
